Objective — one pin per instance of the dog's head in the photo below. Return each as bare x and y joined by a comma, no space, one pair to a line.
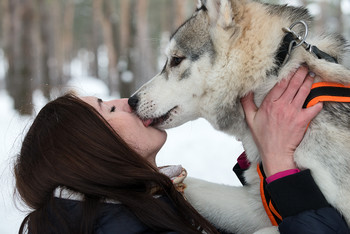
176,94
218,55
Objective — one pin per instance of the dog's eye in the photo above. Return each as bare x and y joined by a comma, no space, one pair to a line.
175,61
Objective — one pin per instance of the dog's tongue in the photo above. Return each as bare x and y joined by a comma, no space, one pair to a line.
147,122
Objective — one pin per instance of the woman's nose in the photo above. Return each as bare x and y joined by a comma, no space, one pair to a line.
126,106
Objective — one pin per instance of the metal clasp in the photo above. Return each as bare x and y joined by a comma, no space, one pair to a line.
299,40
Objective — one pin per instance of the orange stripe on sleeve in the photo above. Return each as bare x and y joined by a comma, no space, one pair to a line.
263,199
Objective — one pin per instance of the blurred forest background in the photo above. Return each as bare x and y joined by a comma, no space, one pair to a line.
121,42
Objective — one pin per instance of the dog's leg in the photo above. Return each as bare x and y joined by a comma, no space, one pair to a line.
268,230
230,208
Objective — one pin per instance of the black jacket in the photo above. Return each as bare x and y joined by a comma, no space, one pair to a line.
302,205
297,197
112,218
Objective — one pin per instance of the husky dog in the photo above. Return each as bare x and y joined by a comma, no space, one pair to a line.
225,50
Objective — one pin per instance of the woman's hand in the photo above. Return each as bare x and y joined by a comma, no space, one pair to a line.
279,125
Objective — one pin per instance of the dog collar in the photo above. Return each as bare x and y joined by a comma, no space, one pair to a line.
322,91
293,40
283,50
327,92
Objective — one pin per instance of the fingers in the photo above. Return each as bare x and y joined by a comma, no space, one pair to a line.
303,91
295,84
293,90
249,107
311,112
277,91
287,88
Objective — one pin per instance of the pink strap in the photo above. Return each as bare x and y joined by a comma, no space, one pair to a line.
243,161
281,174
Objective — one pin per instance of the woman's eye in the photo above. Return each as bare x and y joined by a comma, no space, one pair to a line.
175,61
113,109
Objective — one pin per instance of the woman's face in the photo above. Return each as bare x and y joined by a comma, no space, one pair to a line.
147,141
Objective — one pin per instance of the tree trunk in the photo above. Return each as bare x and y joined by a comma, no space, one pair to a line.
45,47
126,79
21,50
107,31
125,21
166,25
23,98
180,12
54,44
67,37
10,42
95,42
144,69
7,35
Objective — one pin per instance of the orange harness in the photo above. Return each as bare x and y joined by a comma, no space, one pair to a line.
327,92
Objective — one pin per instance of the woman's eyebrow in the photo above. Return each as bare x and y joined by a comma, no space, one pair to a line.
99,101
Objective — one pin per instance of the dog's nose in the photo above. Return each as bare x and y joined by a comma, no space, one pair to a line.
133,101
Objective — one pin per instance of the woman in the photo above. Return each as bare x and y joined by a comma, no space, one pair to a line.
80,147
88,166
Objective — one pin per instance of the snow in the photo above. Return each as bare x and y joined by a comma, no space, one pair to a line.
203,151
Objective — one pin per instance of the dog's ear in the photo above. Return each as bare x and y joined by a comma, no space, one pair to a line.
224,13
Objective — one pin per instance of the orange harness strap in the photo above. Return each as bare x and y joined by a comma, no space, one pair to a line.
327,92
270,209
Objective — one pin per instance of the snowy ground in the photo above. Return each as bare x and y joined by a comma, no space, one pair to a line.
203,151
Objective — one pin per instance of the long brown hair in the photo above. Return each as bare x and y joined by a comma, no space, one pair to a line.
70,144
